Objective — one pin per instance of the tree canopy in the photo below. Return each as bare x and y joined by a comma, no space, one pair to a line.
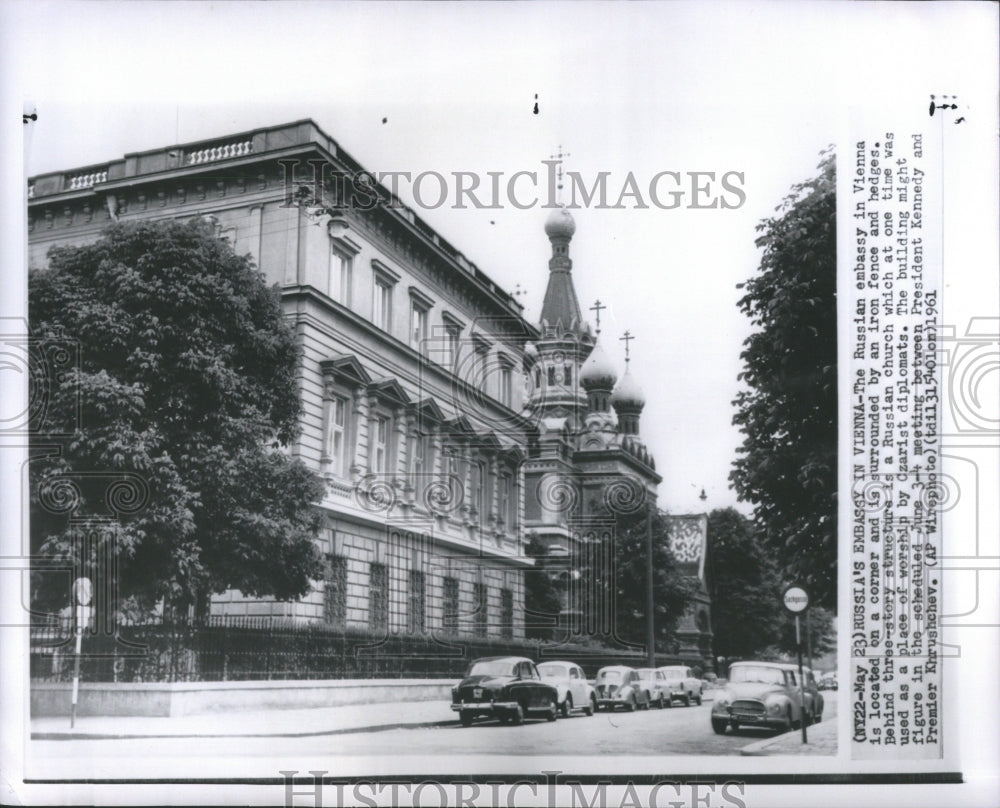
186,386
743,584
672,591
787,463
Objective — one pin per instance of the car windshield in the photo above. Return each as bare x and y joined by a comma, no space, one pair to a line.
673,674
757,673
611,676
553,671
494,667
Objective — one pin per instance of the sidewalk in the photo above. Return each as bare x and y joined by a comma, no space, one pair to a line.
822,741
251,724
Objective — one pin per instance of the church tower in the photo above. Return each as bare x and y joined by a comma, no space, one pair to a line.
566,341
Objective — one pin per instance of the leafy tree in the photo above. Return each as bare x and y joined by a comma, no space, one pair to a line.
822,626
743,585
672,590
542,595
186,386
787,464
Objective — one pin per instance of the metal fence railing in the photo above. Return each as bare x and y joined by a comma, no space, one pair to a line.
251,648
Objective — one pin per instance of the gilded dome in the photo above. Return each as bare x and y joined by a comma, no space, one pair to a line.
628,394
560,224
598,371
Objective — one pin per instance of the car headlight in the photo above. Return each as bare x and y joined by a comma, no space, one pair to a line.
775,707
722,700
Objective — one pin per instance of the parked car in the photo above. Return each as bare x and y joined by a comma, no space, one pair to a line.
619,685
682,684
655,684
759,694
813,698
508,688
828,681
575,692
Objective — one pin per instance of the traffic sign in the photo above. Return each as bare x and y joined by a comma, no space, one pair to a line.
796,599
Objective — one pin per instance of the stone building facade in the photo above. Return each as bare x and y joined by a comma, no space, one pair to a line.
410,379
449,430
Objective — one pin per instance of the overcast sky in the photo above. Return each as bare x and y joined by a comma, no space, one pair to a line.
754,88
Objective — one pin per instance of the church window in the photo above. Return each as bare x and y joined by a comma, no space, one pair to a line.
567,375
552,376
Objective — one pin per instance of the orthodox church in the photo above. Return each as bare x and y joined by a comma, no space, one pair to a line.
591,463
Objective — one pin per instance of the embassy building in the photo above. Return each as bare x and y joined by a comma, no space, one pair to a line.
449,430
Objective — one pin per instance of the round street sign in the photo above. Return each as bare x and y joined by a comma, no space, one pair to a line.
82,591
796,599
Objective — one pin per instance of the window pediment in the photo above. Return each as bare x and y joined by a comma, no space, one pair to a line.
346,370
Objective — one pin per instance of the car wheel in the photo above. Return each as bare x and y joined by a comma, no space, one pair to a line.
670,701
632,704
517,716
504,718
567,705
659,702
788,719
648,703
591,707
687,699
466,716
553,712
719,725
697,699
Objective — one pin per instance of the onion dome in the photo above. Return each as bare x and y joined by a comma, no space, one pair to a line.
560,224
628,394
598,372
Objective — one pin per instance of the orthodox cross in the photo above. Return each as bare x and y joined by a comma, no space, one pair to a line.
597,308
626,338
558,157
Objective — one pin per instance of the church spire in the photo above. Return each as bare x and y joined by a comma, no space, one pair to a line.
560,309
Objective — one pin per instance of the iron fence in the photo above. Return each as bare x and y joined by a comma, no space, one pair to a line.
251,648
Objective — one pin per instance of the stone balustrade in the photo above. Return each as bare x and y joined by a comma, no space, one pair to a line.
86,179
220,152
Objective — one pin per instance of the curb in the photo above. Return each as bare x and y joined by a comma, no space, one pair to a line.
111,736
760,748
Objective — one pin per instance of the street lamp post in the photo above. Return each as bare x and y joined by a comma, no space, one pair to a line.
650,628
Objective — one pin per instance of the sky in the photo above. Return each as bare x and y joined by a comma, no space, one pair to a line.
755,88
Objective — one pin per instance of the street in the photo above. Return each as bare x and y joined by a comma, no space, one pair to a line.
674,731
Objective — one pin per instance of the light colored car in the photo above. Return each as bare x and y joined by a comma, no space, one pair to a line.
619,686
813,698
655,684
828,681
759,694
682,684
575,692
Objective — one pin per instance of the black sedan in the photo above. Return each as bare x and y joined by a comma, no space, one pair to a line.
509,688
